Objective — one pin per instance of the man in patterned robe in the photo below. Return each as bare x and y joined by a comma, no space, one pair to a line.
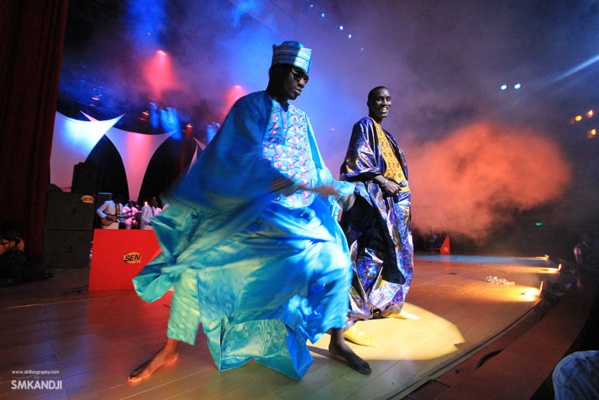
378,225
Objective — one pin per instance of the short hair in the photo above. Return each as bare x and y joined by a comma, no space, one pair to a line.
371,93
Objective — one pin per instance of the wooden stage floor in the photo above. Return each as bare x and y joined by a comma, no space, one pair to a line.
89,342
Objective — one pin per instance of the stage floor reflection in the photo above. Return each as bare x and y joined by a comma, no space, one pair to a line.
93,340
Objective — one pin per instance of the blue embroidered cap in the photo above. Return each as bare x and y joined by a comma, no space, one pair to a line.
294,53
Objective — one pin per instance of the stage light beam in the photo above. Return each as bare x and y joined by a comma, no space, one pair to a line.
159,73
579,67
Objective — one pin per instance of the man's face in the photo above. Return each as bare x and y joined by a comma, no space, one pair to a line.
293,84
379,104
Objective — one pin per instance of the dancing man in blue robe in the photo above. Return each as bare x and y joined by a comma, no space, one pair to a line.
251,241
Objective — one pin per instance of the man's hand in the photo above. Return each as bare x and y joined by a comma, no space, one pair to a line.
326,190
391,188
279,184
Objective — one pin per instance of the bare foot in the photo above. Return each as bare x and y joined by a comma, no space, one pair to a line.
342,352
163,357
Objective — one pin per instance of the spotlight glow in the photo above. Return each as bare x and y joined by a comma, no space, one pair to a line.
231,96
159,74
530,294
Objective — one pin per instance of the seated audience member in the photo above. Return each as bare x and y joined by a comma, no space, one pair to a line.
15,265
576,376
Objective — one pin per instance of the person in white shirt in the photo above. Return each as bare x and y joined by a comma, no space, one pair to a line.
109,213
148,212
128,213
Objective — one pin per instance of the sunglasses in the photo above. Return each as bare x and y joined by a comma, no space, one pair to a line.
298,75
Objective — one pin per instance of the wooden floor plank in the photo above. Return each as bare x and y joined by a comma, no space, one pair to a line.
95,339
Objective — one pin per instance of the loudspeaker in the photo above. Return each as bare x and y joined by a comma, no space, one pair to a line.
69,211
84,179
67,249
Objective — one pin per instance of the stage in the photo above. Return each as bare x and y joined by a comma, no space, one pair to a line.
474,313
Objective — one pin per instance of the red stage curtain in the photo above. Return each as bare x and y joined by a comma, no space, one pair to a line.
31,40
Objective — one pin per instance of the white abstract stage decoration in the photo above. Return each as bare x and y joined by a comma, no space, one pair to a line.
74,140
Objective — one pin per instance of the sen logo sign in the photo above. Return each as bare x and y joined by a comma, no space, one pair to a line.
132,258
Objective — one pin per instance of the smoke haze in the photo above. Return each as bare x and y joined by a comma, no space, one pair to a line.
465,182
475,151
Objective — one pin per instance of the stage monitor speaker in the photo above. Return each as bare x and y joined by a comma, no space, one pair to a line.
67,249
69,211
84,179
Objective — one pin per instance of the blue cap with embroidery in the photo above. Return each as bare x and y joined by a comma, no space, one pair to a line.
294,53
